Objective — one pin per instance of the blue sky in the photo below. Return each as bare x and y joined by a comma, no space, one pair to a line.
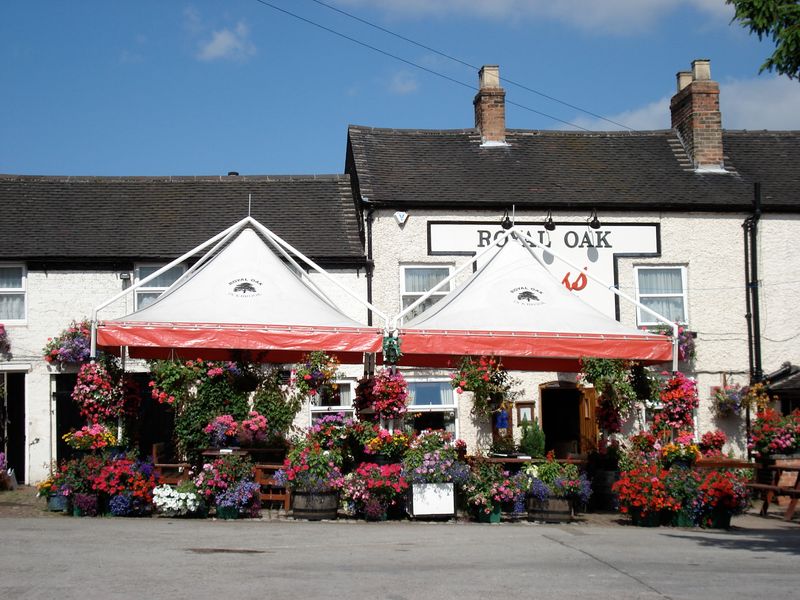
151,87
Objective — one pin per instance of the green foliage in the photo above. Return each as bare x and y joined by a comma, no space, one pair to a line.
612,379
778,20
276,405
198,391
214,397
503,445
550,471
532,441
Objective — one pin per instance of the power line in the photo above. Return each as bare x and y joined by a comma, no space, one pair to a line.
408,62
466,64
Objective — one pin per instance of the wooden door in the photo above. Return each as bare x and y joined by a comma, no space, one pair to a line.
588,420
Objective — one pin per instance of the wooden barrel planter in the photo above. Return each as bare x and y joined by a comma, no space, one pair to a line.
552,510
315,506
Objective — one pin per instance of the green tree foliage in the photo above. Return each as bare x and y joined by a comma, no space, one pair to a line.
532,440
778,20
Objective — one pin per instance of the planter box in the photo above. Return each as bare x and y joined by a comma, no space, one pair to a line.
432,500
552,510
315,506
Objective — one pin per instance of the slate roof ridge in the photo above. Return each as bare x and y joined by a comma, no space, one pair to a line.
11,177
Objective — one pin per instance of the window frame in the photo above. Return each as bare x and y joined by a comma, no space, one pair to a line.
148,289
433,408
405,293
23,289
348,410
643,319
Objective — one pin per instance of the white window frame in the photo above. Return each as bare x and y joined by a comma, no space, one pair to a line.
23,289
348,410
429,408
644,319
148,289
440,294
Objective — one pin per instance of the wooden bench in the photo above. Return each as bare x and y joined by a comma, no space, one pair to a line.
270,492
169,471
771,491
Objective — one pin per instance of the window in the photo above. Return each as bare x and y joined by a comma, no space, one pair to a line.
13,279
334,404
431,406
148,293
662,289
416,280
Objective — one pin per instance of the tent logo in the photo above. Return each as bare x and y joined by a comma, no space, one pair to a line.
244,288
527,296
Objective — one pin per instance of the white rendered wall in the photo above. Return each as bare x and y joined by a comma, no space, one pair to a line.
54,299
709,245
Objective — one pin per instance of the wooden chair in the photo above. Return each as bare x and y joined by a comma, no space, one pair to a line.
270,492
169,471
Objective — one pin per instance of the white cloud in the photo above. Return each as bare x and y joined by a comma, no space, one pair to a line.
403,83
229,44
615,16
758,103
654,115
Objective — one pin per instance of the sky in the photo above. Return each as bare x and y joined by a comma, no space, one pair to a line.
157,87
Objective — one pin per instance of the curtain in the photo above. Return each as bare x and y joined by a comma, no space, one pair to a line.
12,307
11,277
660,281
423,279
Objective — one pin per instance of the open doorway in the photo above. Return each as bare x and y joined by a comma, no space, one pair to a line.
561,419
13,414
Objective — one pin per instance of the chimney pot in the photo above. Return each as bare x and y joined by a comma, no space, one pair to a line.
684,79
701,69
489,76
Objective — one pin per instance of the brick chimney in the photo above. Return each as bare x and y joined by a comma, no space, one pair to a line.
696,116
490,107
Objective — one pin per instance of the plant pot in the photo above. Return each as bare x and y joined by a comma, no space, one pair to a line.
432,500
227,512
603,497
720,518
551,510
315,506
681,518
85,505
491,517
57,503
651,519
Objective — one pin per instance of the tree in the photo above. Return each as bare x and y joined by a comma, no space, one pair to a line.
779,20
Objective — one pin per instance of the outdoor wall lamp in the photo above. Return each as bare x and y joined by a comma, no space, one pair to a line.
548,222
594,222
506,222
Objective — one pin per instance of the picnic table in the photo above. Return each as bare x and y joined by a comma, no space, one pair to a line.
774,489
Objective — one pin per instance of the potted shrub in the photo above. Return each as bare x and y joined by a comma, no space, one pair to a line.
433,469
722,493
643,494
243,497
221,475
487,487
222,431
566,488
372,489
313,473
182,500
126,484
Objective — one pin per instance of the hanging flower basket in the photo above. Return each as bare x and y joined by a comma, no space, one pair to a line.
382,396
71,346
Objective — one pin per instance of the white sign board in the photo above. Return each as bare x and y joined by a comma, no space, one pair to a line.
592,250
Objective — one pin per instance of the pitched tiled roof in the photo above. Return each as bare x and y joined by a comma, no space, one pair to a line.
141,218
610,170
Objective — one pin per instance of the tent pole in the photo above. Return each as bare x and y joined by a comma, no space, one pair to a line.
149,278
612,287
316,267
448,279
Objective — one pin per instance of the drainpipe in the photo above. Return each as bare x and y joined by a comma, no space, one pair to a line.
369,363
753,315
758,373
